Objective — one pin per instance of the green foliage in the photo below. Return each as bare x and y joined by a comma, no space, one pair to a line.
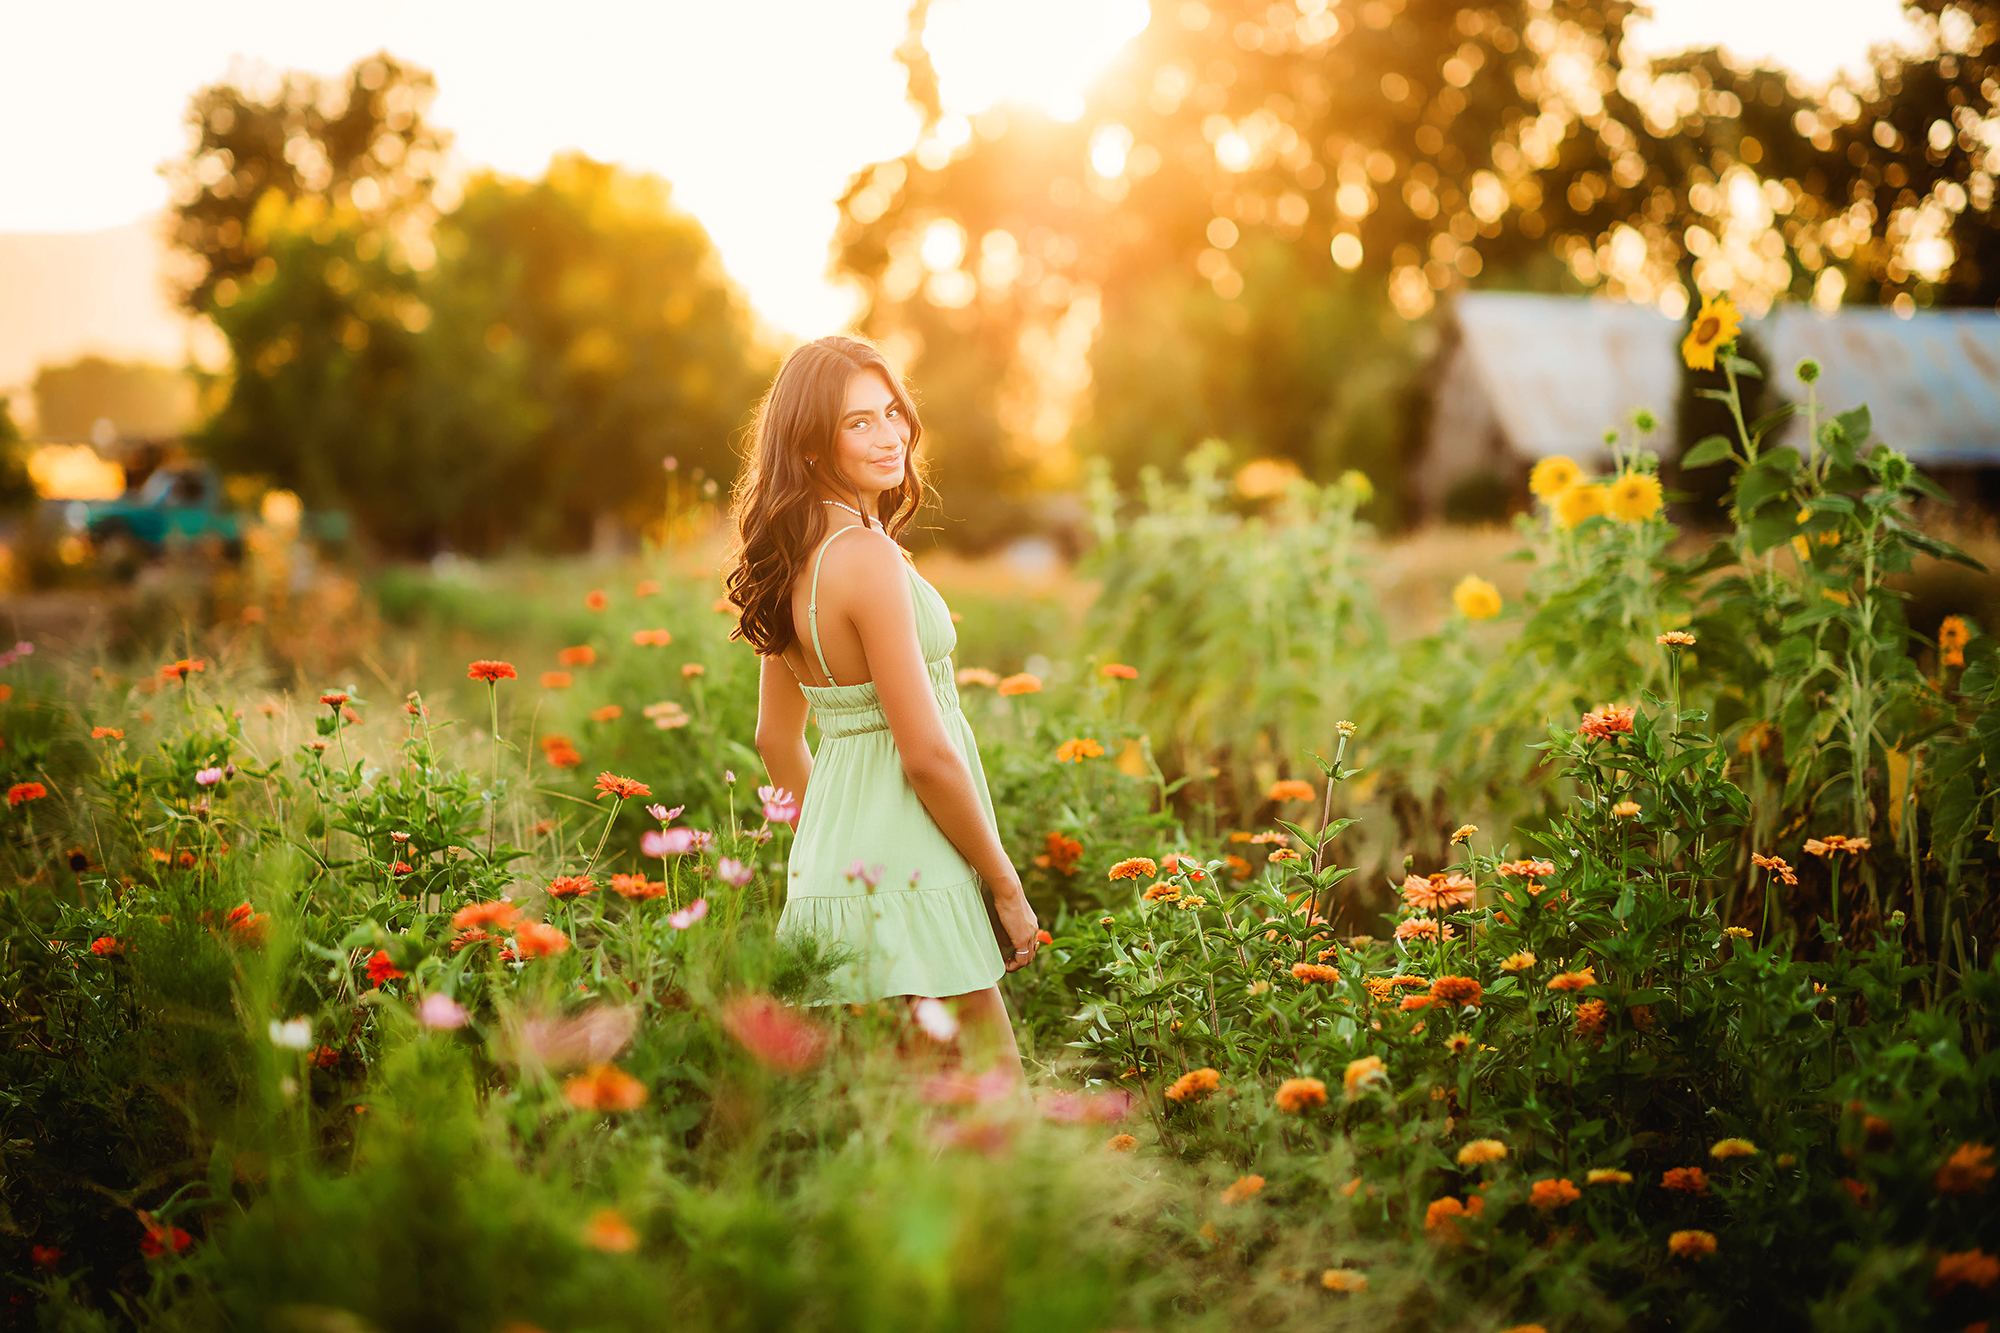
17,489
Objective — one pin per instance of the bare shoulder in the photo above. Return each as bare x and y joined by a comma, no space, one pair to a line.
863,558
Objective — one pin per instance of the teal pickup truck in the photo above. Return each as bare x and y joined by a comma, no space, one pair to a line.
179,505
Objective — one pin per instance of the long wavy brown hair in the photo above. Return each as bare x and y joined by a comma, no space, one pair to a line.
776,505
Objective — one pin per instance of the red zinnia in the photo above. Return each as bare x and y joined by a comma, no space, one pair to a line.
581,655
179,670
106,945
382,968
610,784
22,792
335,698
571,886
490,671
161,1237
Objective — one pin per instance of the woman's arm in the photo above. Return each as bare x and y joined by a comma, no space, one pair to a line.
781,728
885,622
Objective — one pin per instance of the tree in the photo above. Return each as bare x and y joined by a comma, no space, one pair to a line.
138,399
359,144
17,489
632,343
1420,145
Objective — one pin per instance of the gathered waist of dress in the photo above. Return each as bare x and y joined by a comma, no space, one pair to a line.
850,710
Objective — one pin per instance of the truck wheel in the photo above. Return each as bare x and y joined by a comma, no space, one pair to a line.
119,552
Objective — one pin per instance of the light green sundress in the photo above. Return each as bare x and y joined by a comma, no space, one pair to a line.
921,927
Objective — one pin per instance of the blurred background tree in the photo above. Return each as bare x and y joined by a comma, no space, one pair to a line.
17,491
513,371
1243,233
628,339
359,143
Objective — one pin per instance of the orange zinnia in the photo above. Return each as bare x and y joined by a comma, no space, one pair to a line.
605,1088
1551,1194
1194,1085
1457,990
637,887
1118,671
1244,1188
1020,683
611,1233
654,638
1692,1244
557,680
1363,1074
1298,1095
1968,1268
1135,867
1291,789
1315,973
533,939
490,671
1577,980
107,733
608,713
571,886
1965,1171
1441,1218
1077,749
580,655
1686,1180
610,784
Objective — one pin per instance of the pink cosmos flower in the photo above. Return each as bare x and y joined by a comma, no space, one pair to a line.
702,841
688,915
962,1089
733,872
441,1012
208,777
666,842
780,806
664,815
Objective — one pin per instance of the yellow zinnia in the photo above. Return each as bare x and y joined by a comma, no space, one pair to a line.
1553,476
1634,497
1715,325
1475,598
1579,502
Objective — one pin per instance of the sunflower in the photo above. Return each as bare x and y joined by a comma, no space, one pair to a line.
1634,497
1579,502
1715,325
1553,476
1475,598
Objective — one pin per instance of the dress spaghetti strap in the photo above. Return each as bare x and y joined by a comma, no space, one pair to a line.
812,601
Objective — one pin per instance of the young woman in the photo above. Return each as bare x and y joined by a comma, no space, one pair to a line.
896,835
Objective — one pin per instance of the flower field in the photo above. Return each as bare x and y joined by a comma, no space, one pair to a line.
1619,955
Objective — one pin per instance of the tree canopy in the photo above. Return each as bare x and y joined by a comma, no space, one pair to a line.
508,370
1259,199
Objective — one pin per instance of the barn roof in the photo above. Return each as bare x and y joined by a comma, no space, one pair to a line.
1559,369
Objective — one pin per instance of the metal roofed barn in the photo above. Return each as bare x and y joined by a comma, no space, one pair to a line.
1522,376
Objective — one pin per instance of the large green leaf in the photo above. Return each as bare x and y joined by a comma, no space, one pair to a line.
1709,451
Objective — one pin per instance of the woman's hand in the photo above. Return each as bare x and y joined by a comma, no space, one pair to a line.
1019,920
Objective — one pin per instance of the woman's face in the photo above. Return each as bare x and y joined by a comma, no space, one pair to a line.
872,442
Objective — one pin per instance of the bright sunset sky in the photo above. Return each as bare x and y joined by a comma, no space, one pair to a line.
756,110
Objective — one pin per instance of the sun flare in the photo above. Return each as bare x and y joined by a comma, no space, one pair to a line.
1039,52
